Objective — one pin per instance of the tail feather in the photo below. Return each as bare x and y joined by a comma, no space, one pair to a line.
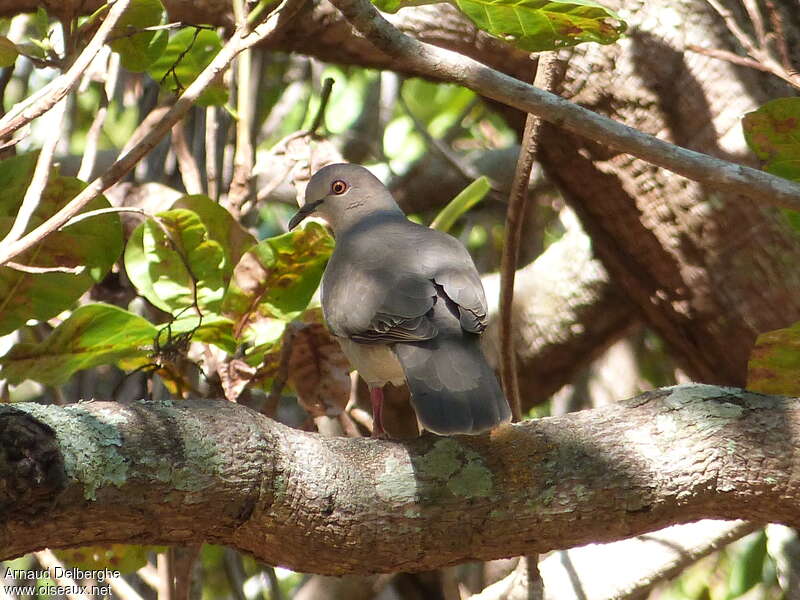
453,388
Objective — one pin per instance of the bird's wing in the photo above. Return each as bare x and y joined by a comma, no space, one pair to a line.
375,292
452,268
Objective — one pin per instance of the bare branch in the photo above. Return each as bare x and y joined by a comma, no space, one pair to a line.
216,471
515,216
149,140
446,65
49,95
41,173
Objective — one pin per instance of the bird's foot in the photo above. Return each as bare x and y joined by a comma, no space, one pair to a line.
376,398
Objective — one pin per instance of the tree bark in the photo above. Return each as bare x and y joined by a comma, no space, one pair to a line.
708,270
177,473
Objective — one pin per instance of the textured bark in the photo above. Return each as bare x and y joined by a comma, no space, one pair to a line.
708,270
217,472
566,312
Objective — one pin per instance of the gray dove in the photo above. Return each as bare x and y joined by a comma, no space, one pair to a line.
405,303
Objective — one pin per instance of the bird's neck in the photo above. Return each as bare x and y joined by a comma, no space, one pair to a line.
358,223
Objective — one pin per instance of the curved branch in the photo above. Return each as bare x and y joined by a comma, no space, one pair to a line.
215,471
449,66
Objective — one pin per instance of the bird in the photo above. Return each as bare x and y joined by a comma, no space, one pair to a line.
405,303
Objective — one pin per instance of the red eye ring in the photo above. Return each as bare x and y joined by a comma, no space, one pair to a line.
338,187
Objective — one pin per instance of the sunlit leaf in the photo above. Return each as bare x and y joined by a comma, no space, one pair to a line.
137,48
95,334
773,133
124,558
221,226
93,244
535,25
774,366
274,282
747,568
466,199
173,262
189,52
8,52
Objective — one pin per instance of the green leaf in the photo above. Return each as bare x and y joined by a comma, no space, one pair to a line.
274,282
773,133
748,567
138,49
774,366
174,259
189,52
222,228
466,199
8,52
124,558
535,25
95,334
93,244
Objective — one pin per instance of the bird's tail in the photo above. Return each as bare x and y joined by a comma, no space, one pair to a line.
453,388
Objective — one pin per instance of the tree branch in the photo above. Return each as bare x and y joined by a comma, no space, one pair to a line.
449,66
215,471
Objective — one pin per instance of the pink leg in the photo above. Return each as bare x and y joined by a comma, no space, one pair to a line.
376,397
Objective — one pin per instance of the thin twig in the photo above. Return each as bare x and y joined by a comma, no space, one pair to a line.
466,170
38,270
93,137
154,135
41,173
166,579
50,562
439,63
776,21
28,110
515,217
212,175
751,6
730,57
240,186
324,96
104,211
123,589
190,172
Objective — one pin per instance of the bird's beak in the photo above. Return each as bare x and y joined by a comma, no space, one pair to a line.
301,214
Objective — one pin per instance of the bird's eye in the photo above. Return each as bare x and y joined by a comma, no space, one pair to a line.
338,187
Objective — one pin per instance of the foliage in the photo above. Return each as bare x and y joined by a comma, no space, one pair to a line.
206,287
773,133
535,25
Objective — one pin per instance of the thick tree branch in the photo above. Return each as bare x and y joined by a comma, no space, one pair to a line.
215,471
449,66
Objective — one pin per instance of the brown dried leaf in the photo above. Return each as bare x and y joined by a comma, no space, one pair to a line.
234,377
318,371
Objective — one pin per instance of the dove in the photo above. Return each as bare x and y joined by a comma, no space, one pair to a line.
405,303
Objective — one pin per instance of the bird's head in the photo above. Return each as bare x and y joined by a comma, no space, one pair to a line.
343,194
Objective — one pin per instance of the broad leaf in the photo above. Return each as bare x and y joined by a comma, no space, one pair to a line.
773,133
93,244
8,52
189,52
274,282
174,261
137,48
774,366
535,25
222,228
95,334
319,371
466,199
